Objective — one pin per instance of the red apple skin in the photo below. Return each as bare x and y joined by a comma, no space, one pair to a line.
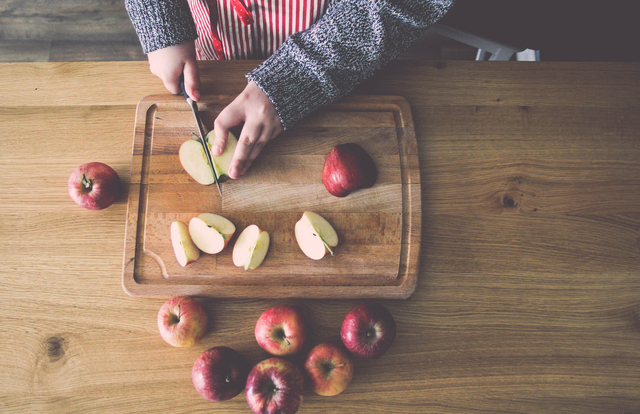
347,168
182,321
94,186
274,386
329,369
280,330
219,373
368,330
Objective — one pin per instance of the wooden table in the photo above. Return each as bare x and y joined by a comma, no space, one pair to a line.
528,298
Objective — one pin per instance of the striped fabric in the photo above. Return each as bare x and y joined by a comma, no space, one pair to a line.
249,29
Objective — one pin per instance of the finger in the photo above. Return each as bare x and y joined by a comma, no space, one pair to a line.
248,139
267,135
192,79
172,83
229,118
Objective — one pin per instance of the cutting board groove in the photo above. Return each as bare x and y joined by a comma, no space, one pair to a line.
379,228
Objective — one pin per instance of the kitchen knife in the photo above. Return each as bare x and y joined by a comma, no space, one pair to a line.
201,137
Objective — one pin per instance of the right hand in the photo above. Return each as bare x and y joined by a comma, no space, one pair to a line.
171,62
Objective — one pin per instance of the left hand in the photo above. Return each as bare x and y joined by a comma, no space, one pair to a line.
261,125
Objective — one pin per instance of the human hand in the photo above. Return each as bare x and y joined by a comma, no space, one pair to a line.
261,125
171,62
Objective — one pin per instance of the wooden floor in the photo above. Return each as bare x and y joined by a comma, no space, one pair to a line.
100,30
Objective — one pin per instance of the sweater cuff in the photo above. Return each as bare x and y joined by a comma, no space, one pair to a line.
293,87
161,24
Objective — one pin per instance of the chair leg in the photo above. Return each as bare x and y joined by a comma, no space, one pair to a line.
528,55
502,54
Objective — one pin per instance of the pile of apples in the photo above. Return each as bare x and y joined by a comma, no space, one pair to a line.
276,384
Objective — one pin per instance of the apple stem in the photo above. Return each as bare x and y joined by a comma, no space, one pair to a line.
327,246
179,311
87,183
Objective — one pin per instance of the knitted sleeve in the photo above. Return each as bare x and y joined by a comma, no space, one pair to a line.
161,23
347,45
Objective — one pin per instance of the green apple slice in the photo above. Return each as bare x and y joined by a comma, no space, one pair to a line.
221,162
183,247
315,235
194,160
211,232
251,247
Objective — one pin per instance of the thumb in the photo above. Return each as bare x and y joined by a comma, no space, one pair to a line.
192,79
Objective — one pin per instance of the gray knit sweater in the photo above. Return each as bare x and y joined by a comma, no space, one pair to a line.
314,67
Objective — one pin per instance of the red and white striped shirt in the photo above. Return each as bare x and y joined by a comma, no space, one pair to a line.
249,29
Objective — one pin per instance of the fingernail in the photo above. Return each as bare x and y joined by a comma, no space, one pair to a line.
217,150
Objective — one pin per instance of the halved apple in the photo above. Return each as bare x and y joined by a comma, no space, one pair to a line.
211,232
315,235
184,248
251,247
194,160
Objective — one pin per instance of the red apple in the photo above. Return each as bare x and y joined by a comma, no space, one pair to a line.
329,369
368,330
219,373
94,186
347,168
182,321
280,330
274,386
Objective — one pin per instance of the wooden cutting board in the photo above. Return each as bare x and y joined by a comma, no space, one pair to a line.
379,228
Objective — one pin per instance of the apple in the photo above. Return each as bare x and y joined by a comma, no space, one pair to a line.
347,168
368,330
194,161
219,373
280,330
182,321
274,386
211,232
329,369
184,248
251,247
94,185
315,235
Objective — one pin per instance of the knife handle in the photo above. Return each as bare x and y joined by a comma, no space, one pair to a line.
184,91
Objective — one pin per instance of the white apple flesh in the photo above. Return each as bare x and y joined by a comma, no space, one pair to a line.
251,247
315,235
185,250
194,161
211,232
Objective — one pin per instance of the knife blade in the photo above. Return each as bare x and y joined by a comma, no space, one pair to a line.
201,137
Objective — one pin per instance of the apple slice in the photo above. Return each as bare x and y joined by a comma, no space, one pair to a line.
315,235
211,232
251,247
186,252
194,160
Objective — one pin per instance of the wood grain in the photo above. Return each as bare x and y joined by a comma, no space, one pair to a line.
378,227
528,295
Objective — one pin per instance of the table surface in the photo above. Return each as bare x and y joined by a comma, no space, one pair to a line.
528,298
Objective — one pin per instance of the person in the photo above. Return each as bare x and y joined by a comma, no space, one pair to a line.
338,49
